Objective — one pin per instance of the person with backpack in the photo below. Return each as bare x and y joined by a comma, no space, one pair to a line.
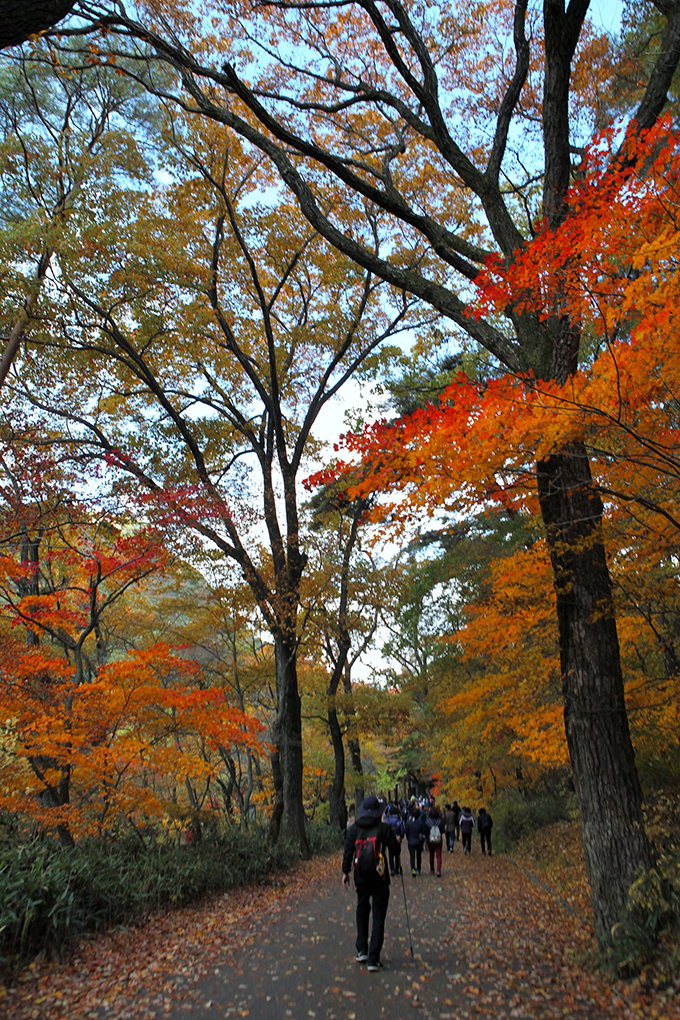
434,824
484,827
366,842
415,838
393,818
467,824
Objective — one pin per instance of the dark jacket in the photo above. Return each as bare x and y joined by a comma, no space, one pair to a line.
415,829
386,839
484,821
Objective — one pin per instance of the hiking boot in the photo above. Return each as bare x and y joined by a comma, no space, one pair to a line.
375,966
361,957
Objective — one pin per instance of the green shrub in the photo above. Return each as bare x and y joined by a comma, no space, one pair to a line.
649,930
515,814
51,895
324,838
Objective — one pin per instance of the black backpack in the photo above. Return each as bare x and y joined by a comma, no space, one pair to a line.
368,856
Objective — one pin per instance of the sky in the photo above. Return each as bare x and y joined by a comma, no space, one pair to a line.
606,13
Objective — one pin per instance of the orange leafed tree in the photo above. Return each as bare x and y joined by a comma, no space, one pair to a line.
614,263
94,738
111,752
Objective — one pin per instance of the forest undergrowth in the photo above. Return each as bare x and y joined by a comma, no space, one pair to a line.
650,966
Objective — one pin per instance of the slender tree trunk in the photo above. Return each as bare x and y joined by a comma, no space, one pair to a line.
603,762
29,555
338,805
289,816
354,748
277,780
338,802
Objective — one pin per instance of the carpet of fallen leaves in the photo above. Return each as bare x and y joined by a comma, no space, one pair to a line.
504,937
553,858
126,972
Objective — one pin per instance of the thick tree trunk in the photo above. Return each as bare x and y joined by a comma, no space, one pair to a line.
289,815
616,847
19,19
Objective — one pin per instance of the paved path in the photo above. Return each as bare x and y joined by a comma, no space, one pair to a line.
482,947
488,942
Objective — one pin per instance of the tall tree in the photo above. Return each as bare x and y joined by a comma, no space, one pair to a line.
416,110
344,606
205,326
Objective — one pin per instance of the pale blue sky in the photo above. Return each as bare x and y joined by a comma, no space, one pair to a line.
606,13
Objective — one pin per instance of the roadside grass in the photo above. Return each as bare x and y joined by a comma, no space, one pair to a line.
51,896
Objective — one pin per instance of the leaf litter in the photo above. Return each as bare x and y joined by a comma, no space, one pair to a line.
491,938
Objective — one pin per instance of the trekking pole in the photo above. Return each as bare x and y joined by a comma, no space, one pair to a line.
408,923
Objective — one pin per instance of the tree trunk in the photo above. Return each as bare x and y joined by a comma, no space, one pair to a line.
338,805
289,816
354,748
603,762
19,20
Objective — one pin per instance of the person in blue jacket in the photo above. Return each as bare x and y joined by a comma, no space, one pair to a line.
393,818
415,838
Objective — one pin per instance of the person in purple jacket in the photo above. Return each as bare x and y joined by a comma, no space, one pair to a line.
467,824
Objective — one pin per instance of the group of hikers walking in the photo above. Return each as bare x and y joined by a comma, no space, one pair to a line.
372,852
425,826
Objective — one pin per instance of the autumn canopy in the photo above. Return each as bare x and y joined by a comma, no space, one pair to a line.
220,223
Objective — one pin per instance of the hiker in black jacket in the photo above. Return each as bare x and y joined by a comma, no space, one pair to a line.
484,827
366,845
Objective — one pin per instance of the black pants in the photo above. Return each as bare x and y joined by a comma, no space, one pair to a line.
466,839
395,860
415,854
485,840
374,895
